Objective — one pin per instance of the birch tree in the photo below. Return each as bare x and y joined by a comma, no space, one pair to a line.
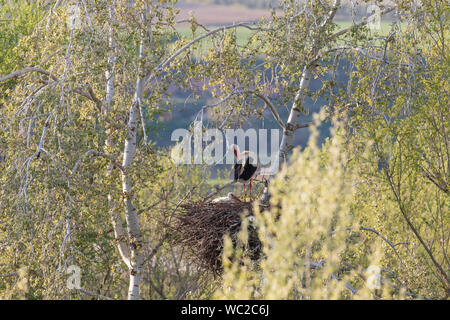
93,74
77,86
82,182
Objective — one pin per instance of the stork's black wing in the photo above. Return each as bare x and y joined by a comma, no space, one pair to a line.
248,171
237,171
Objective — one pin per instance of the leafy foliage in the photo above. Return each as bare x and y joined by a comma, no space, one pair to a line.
82,184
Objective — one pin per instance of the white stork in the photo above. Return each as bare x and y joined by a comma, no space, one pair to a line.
246,168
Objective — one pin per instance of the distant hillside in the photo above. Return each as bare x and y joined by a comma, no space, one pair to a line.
261,4
216,12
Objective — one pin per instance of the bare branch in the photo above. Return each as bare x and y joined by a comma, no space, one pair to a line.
358,25
271,107
35,155
212,194
97,153
385,240
10,274
303,125
166,62
149,207
24,71
93,294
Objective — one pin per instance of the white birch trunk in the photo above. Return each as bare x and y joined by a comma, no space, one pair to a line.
119,233
131,216
134,232
297,107
296,111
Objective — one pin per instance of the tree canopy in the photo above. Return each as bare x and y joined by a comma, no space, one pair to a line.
88,200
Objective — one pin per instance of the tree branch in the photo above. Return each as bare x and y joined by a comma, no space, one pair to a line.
24,71
93,294
97,153
271,107
358,25
385,240
218,189
166,62
77,89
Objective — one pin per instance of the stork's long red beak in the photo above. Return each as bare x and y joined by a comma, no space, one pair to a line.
236,153
236,198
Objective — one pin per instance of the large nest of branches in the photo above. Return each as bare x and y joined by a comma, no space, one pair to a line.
201,226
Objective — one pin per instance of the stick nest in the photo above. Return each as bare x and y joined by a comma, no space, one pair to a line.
201,226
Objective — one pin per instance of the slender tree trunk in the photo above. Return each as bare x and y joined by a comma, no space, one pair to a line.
131,216
297,107
119,232
296,111
134,232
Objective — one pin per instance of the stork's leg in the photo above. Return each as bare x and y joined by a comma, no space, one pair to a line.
244,192
250,189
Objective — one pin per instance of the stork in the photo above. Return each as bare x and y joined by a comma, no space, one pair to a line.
230,198
246,168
